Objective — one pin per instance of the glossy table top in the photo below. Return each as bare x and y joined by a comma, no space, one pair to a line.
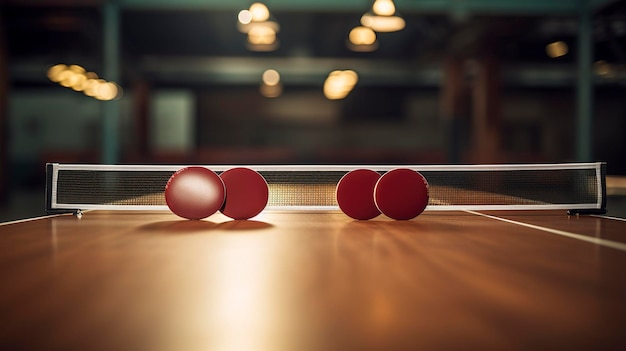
313,281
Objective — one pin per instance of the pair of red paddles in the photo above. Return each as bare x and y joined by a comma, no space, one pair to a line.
198,192
400,194
242,193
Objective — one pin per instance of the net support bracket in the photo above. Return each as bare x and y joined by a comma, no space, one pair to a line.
595,211
49,186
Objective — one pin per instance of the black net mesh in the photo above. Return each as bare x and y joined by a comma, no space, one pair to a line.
317,188
112,187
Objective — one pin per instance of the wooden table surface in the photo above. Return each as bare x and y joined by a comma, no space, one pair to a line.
313,281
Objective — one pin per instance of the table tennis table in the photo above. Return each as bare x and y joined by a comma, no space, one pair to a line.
459,279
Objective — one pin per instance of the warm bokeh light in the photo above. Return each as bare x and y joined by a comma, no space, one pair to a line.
384,8
260,12
68,78
78,79
603,68
106,91
77,69
362,36
261,35
101,90
260,28
55,71
383,23
63,78
247,27
92,85
350,77
245,17
271,77
557,49
89,78
339,84
382,18
247,20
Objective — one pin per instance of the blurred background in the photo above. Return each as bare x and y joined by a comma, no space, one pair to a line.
307,81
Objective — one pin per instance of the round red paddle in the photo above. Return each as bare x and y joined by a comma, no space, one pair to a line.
194,192
355,194
401,194
246,193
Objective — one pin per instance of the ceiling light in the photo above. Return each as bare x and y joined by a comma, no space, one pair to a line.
78,79
383,23
261,35
362,39
384,8
362,36
261,38
260,27
244,17
339,84
92,87
383,17
257,16
271,77
556,49
79,82
107,91
77,69
260,12
604,69
54,72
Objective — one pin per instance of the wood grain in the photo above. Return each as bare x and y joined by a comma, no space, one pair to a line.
309,281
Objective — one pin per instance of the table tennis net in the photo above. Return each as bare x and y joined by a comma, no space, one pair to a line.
577,187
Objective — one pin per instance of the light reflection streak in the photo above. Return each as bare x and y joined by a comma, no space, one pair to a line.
244,304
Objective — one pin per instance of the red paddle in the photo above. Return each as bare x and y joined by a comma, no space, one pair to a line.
355,194
246,193
401,194
194,192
